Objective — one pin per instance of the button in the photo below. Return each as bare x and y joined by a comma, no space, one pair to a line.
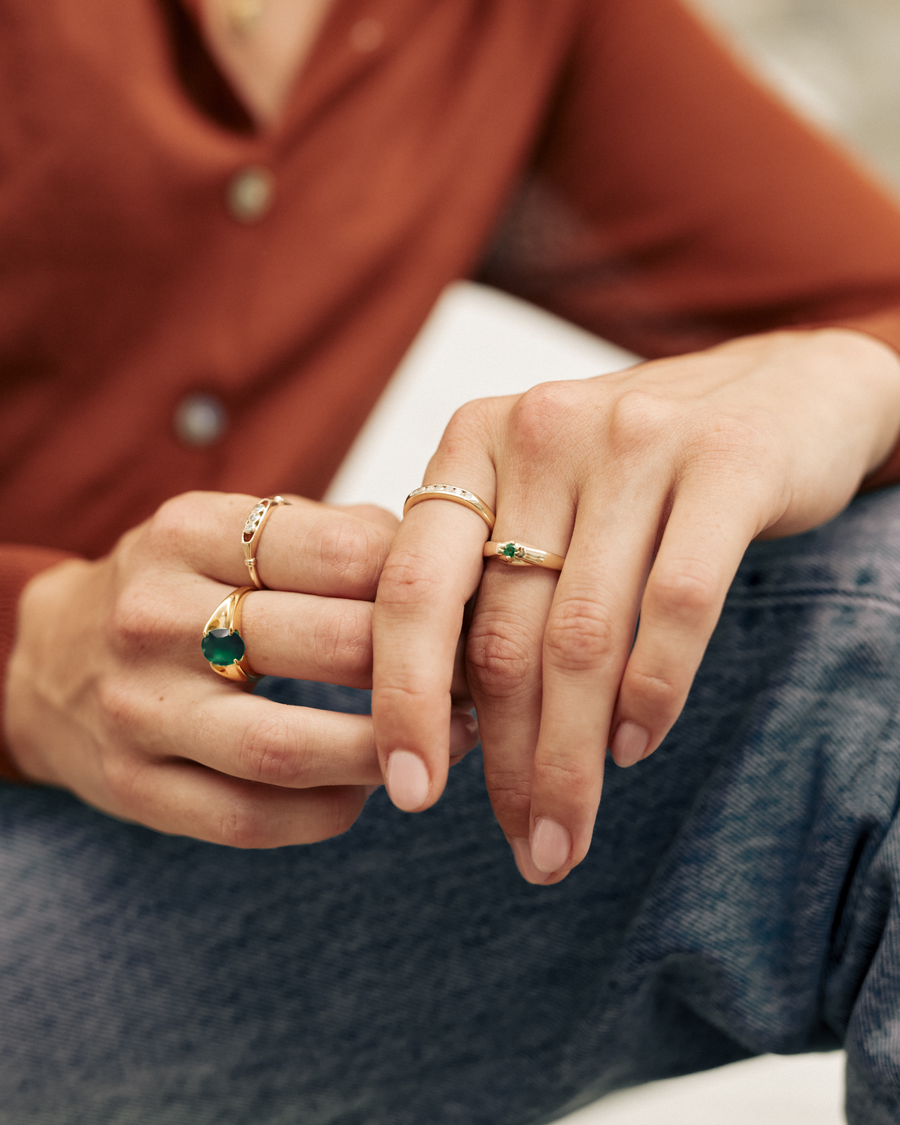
249,194
244,15
367,35
200,420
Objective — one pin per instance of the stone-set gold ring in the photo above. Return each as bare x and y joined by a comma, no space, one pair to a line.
253,529
520,554
456,495
222,643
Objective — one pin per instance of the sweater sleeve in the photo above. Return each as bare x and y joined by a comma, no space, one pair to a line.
674,202
18,565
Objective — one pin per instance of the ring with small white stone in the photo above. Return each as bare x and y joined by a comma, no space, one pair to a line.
456,495
253,529
520,554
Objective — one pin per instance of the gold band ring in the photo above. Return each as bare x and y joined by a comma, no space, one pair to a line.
457,495
222,643
520,554
253,529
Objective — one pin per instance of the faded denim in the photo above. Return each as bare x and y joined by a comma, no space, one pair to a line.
740,897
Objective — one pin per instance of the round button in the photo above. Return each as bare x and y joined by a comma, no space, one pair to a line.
249,194
200,420
367,35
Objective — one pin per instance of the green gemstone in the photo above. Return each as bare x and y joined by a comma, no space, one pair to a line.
221,647
509,550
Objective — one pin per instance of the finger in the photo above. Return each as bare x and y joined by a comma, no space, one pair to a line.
185,799
371,513
211,723
308,638
433,569
504,666
700,552
588,635
304,546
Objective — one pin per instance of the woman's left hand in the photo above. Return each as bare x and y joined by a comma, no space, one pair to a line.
651,482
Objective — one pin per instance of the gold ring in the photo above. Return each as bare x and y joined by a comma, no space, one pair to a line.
520,554
222,643
253,529
457,495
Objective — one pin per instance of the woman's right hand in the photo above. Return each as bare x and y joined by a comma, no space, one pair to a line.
108,694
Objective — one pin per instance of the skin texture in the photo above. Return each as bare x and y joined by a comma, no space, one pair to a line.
652,482
108,694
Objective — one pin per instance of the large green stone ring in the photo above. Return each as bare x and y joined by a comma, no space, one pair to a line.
222,643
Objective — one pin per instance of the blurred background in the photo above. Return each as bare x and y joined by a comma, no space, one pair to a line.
838,63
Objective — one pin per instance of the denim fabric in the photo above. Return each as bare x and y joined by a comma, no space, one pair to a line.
740,897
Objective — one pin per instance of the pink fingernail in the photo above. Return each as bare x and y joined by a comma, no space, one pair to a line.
550,845
526,867
629,743
463,733
407,780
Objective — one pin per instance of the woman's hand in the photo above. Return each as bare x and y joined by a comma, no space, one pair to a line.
109,695
652,482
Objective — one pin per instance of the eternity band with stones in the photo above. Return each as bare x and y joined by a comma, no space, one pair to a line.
222,643
253,529
520,554
456,495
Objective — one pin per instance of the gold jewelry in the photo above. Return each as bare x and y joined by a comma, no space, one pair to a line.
457,495
519,554
253,529
222,643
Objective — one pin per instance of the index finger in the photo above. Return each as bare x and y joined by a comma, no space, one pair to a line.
434,567
305,547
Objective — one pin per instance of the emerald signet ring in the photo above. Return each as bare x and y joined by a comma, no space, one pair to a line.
222,643
520,554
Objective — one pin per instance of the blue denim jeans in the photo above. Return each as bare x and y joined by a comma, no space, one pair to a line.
740,897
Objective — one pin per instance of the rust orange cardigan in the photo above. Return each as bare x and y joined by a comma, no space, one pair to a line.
603,158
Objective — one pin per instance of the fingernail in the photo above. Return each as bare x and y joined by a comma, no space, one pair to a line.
629,743
407,780
526,867
463,733
550,845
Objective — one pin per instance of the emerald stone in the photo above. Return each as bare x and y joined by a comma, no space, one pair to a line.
221,647
509,550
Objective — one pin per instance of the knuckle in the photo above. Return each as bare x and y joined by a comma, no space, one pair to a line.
579,635
267,754
166,527
351,549
572,777
119,704
685,589
511,800
344,639
637,418
541,417
501,659
134,626
121,775
655,693
467,425
246,823
407,580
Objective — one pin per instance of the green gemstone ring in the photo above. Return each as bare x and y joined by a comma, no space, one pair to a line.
520,554
222,644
